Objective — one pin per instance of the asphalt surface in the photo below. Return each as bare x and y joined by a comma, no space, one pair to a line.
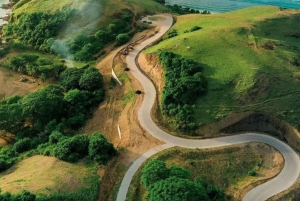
284,180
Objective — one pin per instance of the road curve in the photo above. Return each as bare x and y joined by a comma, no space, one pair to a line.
281,182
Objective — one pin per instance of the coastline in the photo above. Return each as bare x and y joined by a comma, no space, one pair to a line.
5,10
215,7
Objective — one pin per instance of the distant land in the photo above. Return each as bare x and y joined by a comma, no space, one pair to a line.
218,6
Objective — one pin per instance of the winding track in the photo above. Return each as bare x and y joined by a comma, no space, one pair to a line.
284,180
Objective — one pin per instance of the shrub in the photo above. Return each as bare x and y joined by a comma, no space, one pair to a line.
122,39
154,171
55,137
252,172
22,145
100,150
195,28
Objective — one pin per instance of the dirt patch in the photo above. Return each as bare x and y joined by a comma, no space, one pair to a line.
10,84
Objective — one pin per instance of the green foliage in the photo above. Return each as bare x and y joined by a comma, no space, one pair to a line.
184,83
69,79
100,150
22,145
35,29
55,137
176,189
172,33
154,171
30,64
72,149
195,28
179,172
91,79
165,184
252,172
44,105
122,39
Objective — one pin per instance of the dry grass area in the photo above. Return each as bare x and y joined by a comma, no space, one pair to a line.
10,84
44,175
226,167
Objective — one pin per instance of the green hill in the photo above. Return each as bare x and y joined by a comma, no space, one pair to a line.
251,58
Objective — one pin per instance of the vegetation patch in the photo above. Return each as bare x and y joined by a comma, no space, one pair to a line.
229,168
184,81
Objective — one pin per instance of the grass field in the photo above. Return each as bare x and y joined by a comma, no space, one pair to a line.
46,175
242,74
225,167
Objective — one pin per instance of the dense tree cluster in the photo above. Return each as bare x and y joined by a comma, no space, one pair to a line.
34,29
169,184
73,148
184,83
34,117
33,65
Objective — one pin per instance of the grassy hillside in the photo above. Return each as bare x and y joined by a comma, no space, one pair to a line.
46,175
249,59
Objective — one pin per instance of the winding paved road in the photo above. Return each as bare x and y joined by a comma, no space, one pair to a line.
284,180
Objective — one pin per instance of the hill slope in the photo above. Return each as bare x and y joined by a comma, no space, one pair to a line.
91,14
249,57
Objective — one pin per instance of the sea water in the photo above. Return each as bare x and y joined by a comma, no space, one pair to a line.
220,6
3,12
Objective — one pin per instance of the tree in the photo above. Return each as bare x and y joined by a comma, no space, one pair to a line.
176,189
72,149
154,171
22,145
91,79
122,39
100,150
11,117
76,102
44,105
102,36
69,78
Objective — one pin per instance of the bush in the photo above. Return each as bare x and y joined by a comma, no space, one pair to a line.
252,172
22,145
72,149
154,171
100,150
69,79
55,137
195,28
122,39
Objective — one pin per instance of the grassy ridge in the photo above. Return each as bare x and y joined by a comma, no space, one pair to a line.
242,74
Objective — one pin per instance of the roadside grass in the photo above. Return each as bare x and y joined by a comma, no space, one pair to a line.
226,167
129,94
44,175
242,74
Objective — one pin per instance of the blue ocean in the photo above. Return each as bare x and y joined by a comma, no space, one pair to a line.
220,6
